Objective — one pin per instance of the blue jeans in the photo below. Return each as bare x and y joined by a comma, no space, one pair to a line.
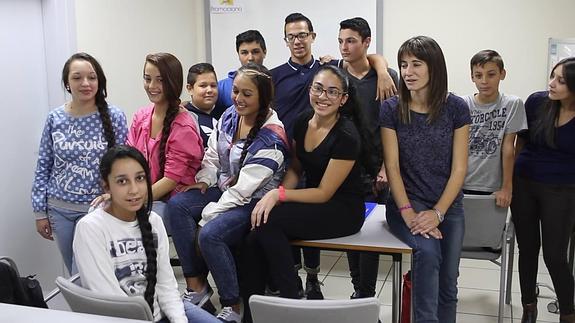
184,211
435,263
195,314
63,224
216,237
160,208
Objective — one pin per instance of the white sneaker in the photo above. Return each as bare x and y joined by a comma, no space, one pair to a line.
228,315
198,298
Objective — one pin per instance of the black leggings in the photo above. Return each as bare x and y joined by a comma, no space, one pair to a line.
544,214
267,249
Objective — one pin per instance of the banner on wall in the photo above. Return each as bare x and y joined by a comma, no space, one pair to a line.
226,6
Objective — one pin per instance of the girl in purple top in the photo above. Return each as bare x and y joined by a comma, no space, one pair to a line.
425,133
543,204
75,137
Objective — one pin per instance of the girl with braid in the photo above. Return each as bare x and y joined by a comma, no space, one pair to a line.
75,137
122,248
165,132
330,147
244,160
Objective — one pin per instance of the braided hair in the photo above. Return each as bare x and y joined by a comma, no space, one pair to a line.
352,110
262,78
172,82
101,94
121,152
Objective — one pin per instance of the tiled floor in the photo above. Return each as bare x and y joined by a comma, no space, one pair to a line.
478,288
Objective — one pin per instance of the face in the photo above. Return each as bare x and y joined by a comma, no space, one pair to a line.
251,52
326,94
204,93
153,84
487,78
414,73
245,96
300,49
351,47
558,89
82,81
127,187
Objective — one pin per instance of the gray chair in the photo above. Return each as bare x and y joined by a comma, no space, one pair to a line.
266,309
86,301
489,236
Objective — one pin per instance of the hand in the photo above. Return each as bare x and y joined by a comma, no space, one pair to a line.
503,198
261,211
198,186
408,217
381,179
325,59
385,87
424,222
99,200
44,229
435,233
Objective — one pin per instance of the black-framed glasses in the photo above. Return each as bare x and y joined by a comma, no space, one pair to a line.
332,93
290,38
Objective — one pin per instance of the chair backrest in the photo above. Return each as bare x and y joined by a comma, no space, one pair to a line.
86,301
484,222
276,309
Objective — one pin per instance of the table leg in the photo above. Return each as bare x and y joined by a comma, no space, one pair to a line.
396,300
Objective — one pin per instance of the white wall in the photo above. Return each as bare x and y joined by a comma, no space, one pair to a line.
121,33
517,29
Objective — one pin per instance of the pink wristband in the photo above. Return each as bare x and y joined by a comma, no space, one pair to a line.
405,207
282,193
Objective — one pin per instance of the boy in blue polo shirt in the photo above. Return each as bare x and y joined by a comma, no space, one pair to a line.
495,120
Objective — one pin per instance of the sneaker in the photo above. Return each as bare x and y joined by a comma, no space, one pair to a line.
228,315
198,298
313,289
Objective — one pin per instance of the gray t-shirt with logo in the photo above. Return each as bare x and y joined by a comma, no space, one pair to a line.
489,124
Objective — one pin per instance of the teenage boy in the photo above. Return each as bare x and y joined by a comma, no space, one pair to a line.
495,120
203,89
251,47
354,40
292,81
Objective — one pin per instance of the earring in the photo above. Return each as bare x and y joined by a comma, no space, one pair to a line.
68,88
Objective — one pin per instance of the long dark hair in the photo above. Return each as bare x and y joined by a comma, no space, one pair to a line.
101,94
172,81
427,50
262,78
544,128
143,214
353,111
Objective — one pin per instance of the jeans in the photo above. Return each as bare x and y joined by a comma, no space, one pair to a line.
184,212
194,314
63,224
363,269
160,208
215,239
435,263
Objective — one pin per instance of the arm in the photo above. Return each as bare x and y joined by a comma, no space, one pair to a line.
163,187
385,85
40,185
120,128
293,174
503,196
427,220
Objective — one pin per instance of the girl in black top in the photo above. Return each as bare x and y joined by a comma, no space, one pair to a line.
327,144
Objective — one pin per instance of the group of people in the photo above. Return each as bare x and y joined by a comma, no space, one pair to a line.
263,157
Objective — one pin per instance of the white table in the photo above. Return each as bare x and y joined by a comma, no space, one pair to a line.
374,236
18,313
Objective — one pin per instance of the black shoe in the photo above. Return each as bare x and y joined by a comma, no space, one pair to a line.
529,313
313,289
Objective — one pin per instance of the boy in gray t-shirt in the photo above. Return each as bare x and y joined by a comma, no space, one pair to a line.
495,120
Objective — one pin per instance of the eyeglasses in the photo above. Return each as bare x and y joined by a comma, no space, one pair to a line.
290,38
332,93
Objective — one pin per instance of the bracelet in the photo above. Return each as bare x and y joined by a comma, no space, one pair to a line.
405,207
282,193
440,216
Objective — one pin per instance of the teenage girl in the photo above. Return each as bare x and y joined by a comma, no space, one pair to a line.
75,137
543,204
122,249
329,145
244,160
425,132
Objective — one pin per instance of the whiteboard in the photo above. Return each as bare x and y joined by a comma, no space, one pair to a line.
558,50
228,18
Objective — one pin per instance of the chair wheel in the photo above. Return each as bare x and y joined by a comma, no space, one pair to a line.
553,307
